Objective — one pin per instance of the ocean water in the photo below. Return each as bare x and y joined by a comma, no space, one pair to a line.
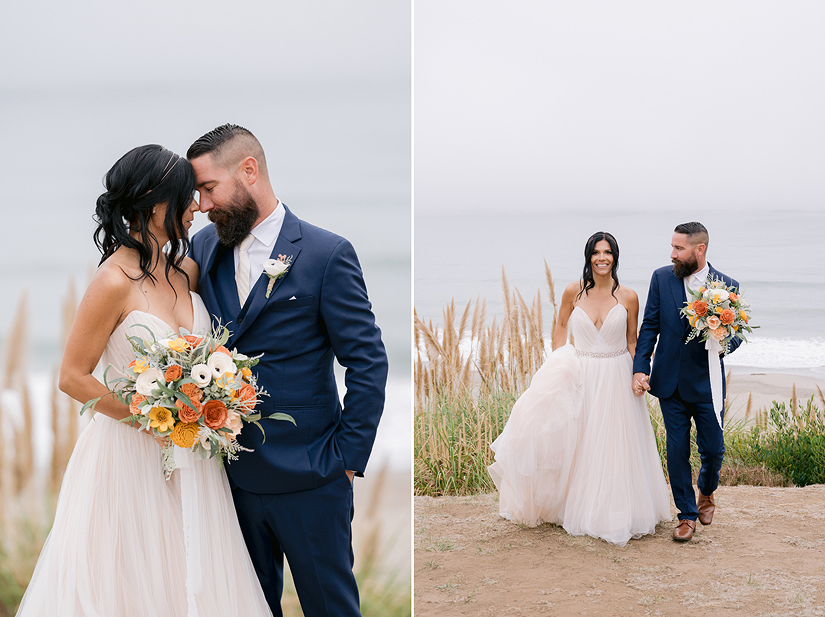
339,156
773,255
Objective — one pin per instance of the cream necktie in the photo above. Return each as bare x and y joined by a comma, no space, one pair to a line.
242,273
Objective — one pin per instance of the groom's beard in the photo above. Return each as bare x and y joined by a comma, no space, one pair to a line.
685,268
234,221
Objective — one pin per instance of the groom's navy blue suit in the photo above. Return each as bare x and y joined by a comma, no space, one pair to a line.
291,492
680,380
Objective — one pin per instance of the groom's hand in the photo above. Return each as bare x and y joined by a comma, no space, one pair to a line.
350,475
640,384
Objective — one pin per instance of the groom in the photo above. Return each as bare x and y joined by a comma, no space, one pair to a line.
680,376
293,490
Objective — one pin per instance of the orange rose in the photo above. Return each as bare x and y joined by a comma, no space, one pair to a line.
214,414
700,308
187,413
247,396
137,399
223,349
727,316
173,373
733,296
192,340
192,391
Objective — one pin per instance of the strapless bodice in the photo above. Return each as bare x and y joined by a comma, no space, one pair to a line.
118,352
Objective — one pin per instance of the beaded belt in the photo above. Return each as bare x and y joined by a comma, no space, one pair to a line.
612,354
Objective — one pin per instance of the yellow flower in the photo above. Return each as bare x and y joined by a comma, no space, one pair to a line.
179,345
743,316
141,364
161,418
184,434
247,373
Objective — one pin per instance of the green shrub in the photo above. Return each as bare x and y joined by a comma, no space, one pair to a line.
790,440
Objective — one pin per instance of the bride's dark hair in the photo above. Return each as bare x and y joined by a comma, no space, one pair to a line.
587,275
142,178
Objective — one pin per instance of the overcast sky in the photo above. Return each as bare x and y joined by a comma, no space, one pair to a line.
48,43
629,105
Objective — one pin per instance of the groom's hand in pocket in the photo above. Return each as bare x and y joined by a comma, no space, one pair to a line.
350,475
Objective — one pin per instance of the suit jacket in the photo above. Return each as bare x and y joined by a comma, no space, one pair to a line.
330,317
675,364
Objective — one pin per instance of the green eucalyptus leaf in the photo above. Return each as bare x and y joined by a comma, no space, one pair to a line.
282,416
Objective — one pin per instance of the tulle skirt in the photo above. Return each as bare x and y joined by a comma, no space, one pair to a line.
579,451
117,545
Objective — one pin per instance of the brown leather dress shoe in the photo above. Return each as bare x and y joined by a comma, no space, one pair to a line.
706,508
684,530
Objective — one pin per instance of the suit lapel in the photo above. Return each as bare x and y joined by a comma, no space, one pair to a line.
206,287
677,289
284,245
223,279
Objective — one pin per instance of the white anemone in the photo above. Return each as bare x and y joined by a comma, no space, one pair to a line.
202,375
219,363
274,267
147,381
722,294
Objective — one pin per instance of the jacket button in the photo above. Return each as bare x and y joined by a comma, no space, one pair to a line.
240,321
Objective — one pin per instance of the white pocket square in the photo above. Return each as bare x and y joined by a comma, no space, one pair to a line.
292,298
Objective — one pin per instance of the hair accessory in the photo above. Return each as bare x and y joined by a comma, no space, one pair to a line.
166,171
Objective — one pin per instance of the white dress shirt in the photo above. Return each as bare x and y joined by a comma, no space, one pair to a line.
265,233
695,280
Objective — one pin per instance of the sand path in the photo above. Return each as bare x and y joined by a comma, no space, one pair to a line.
764,555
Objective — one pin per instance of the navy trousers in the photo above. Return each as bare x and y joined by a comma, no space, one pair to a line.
677,414
313,528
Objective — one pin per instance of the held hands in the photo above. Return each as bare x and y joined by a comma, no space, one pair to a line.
640,384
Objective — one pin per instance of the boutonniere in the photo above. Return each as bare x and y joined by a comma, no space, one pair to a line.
276,269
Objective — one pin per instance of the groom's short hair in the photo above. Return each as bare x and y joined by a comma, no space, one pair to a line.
228,144
696,232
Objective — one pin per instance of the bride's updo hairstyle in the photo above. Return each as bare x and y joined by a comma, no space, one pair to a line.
587,275
142,178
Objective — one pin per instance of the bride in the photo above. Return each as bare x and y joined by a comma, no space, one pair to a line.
578,449
117,543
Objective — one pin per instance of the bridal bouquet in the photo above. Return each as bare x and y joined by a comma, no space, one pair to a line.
192,390
717,311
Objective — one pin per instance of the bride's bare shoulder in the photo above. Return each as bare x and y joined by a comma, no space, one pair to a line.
192,270
113,281
571,291
627,296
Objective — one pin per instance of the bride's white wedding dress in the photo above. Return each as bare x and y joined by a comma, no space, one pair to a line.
578,449
117,545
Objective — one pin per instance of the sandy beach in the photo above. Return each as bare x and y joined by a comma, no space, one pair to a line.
762,555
